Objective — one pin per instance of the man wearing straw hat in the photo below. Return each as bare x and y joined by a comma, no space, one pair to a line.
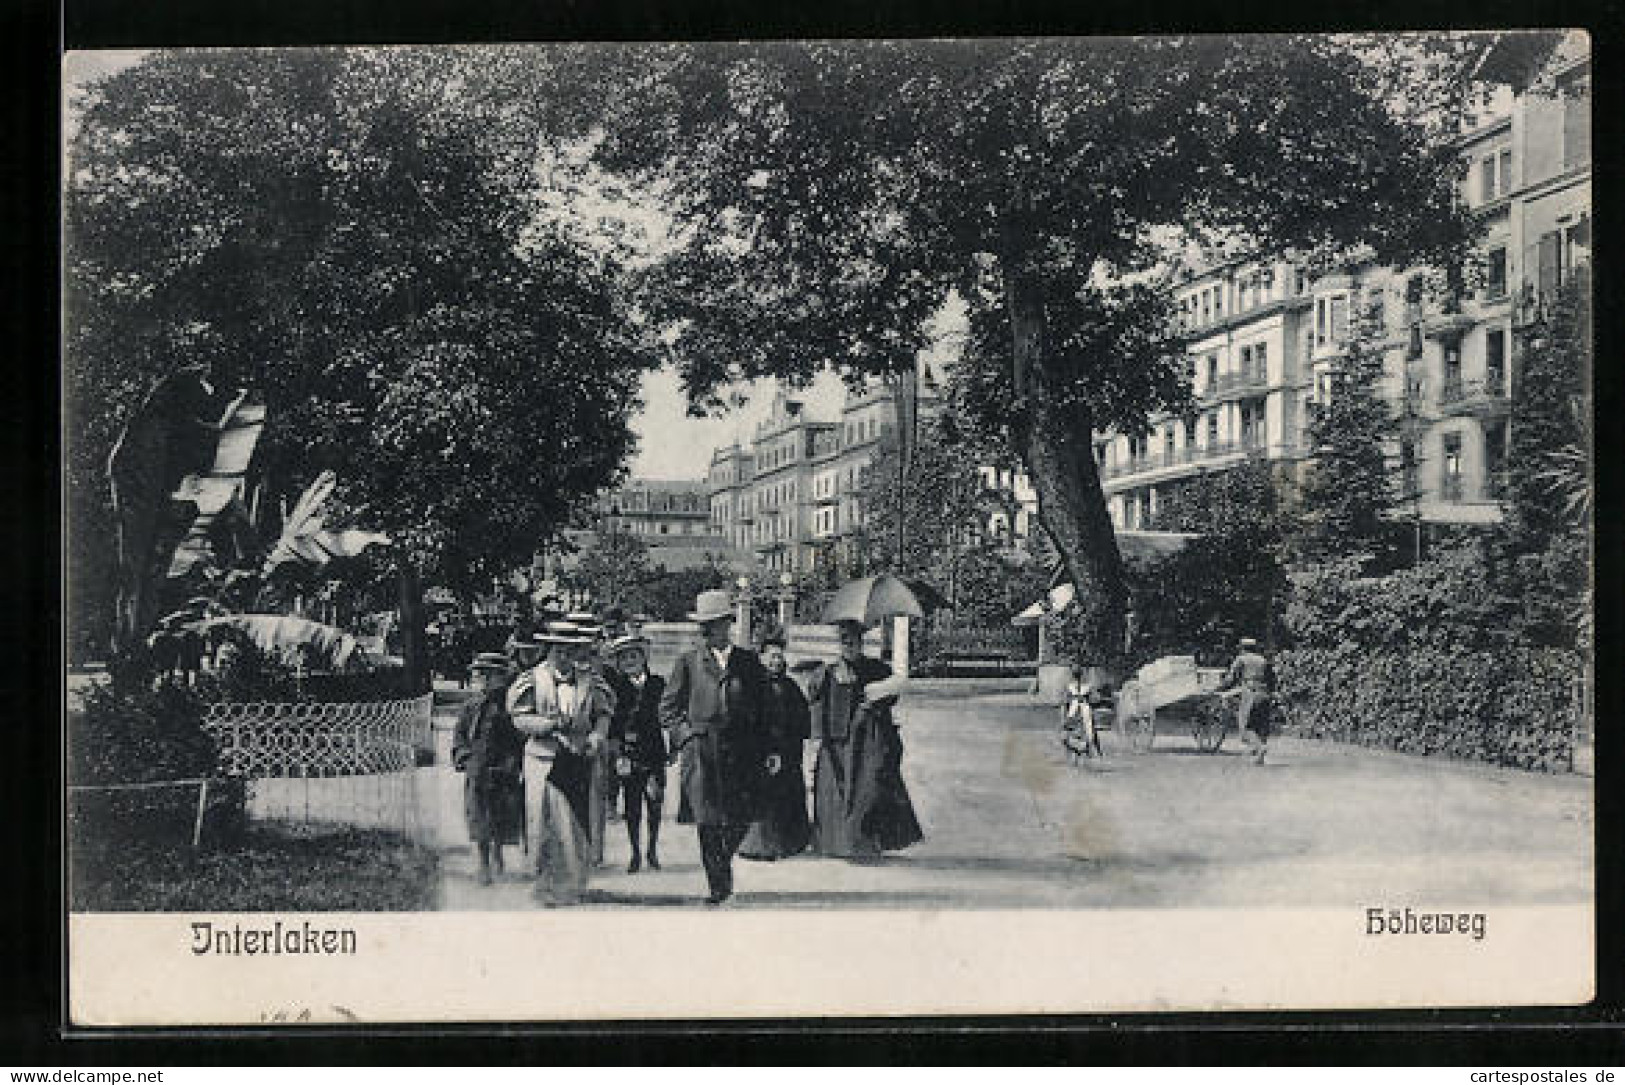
562,711
1252,675
712,711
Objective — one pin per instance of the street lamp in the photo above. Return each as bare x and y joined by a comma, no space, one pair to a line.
742,600
786,600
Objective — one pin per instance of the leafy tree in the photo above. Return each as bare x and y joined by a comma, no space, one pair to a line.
1545,537
944,501
355,235
611,569
828,196
1228,582
1348,490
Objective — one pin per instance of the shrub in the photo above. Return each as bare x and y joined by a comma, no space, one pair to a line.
1427,661
146,737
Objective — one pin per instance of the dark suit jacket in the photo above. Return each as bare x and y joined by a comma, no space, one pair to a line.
635,728
715,719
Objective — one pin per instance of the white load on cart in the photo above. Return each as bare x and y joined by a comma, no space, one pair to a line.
1174,690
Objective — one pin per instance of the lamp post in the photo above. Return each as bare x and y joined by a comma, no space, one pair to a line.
742,609
786,601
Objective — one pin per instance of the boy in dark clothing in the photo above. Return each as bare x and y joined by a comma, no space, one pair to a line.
489,750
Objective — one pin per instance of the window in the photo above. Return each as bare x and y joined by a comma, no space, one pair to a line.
1218,302
1495,360
1451,487
1212,430
1207,308
1495,455
1576,92
1486,187
1495,281
1331,319
1407,466
1452,371
1168,445
1212,372
1190,433
1261,363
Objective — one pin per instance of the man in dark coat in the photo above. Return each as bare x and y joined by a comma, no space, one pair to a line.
712,711
782,829
489,750
638,742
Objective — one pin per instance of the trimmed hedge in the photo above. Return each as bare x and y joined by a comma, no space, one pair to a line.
1511,707
1424,661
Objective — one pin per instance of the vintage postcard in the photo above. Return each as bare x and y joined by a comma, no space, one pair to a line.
828,529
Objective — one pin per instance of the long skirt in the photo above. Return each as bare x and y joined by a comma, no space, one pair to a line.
494,808
861,806
601,792
558,839
783,829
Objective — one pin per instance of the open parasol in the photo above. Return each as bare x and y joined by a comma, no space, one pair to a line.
870,599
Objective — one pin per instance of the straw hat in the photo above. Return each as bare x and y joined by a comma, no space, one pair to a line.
712,606
564,633
489,661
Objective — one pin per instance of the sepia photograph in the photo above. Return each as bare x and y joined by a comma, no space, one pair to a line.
821,528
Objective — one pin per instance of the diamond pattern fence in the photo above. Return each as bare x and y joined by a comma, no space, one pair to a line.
326,763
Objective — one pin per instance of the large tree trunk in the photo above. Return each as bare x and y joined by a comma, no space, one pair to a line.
413,648
1058,449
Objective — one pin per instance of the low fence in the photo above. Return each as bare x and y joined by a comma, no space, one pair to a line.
668,640
339,763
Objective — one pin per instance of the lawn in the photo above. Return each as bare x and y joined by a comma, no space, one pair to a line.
279,867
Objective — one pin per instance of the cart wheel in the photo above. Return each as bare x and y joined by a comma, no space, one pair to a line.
1141,728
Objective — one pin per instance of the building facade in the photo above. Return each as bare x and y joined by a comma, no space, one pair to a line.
1264,337
793,499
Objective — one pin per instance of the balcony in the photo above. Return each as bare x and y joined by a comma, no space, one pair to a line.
1183,457
1473,397
1250,381
1447,325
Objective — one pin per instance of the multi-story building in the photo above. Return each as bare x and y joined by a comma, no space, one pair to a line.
1265,336
793,499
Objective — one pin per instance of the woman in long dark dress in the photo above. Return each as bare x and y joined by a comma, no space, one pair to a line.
783,829
861,806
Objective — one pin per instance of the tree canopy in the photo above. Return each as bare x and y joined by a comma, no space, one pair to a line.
357,236
828,196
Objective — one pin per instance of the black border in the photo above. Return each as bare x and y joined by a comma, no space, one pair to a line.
33,997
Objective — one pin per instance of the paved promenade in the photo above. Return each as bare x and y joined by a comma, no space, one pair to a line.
1009,824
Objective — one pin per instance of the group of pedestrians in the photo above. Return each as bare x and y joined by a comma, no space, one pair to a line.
572,718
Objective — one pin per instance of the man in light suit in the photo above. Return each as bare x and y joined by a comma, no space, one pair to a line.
712,711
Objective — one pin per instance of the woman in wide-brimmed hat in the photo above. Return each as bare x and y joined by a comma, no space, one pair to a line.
489,751
564,712
861,806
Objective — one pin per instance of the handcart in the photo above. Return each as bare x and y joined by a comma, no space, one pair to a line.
1175,691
